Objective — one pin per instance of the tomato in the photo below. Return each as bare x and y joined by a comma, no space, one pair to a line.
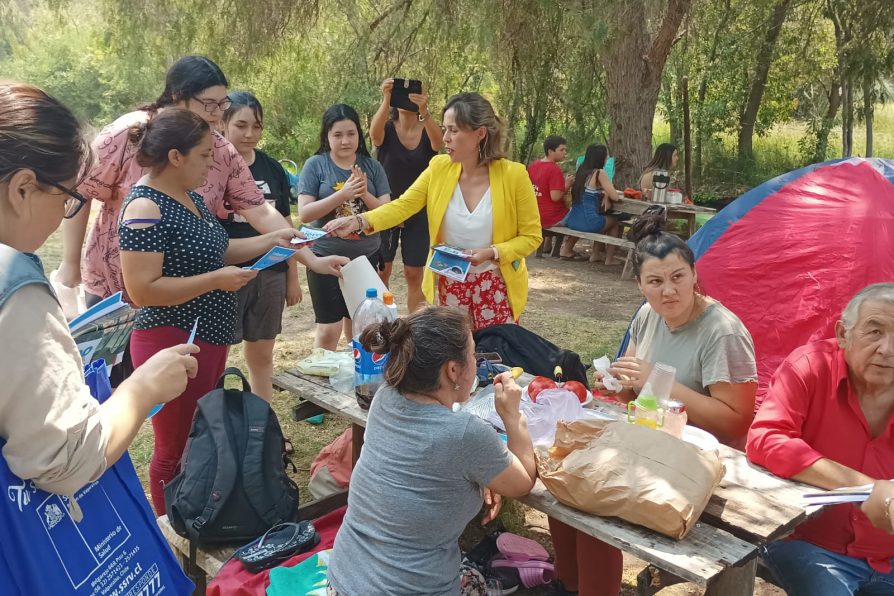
577,388
538,384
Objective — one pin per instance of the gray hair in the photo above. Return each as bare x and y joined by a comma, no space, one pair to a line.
883,292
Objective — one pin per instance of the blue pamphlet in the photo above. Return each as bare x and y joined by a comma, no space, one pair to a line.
274,256
450,262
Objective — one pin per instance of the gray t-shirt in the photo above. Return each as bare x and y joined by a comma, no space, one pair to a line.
714,348
320,177
417,484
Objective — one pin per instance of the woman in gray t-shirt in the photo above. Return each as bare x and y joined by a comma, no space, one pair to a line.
716,378
707,344
424,468
340,180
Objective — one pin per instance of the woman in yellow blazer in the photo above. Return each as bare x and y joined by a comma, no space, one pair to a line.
477,200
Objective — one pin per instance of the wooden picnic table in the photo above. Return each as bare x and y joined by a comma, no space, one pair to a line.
750,508
674,211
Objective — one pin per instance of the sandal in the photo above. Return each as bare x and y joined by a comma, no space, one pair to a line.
574,257
525,558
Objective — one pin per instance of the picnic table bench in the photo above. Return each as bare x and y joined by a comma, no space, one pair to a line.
750,508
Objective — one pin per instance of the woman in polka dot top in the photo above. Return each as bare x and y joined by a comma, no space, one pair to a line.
174,256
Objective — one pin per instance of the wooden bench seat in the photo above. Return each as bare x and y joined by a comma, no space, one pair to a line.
627,271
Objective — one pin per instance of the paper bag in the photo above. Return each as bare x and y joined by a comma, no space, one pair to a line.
638,474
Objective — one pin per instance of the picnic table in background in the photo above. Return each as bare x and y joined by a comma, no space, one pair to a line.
750,508
674,210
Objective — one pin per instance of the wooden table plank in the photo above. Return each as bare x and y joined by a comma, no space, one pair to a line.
638,207
704,553
753,504
319,391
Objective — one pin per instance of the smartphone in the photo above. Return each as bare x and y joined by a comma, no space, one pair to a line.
400,94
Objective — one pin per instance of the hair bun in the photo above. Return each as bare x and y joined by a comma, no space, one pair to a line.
393,333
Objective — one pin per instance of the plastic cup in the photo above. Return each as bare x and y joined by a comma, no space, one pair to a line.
660,382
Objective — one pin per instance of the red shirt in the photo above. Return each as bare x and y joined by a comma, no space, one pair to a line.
811,412
547,176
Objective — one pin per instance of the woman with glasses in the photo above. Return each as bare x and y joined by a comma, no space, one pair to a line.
56,435
197,84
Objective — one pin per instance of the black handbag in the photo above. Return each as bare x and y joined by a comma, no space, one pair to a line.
400,94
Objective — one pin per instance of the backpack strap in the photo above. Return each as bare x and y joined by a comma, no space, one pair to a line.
212,407
256,414
246,387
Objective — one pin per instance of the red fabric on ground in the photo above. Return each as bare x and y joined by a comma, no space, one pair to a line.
234,580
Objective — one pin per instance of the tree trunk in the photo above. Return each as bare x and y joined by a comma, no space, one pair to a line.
748,114
847,120
634,60
868,113
822,135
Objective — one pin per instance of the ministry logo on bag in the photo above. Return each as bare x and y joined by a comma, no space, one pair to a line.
53,515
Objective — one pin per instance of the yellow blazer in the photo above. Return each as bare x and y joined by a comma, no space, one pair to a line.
516,218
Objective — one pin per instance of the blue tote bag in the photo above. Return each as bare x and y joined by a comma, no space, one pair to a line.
115,550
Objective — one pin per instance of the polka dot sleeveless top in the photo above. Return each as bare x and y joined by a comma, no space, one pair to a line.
191,246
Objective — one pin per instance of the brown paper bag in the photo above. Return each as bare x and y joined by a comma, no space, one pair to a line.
641,475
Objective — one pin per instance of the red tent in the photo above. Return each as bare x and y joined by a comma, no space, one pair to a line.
788,255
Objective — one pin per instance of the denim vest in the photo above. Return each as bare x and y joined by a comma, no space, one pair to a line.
18,269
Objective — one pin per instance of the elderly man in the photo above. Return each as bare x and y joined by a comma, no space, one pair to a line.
827,421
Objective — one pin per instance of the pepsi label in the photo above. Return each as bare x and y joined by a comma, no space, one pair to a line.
368,363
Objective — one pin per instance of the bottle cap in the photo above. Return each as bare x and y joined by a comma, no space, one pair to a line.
388,298
646,401
371,293
675,406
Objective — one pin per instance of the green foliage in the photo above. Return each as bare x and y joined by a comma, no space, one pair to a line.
539,61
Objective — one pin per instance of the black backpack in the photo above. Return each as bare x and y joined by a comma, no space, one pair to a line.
518,346
232,486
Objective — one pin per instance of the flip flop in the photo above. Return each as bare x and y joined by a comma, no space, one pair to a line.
519,548
576,257
530,573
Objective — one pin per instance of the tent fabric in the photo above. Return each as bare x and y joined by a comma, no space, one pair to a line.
788,255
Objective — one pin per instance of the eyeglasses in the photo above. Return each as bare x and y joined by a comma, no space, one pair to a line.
73,202
211,106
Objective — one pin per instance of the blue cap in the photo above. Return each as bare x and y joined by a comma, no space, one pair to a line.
372,293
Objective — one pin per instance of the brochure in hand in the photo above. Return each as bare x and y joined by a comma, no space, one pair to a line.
449,261
847,494
103,331
275,255
310,235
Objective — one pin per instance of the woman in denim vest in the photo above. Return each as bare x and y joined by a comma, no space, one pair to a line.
56,434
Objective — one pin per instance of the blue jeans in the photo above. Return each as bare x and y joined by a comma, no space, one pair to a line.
804,569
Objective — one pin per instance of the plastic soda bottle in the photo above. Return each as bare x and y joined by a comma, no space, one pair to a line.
369,368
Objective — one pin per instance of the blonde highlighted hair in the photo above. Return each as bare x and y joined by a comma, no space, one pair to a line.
472,111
